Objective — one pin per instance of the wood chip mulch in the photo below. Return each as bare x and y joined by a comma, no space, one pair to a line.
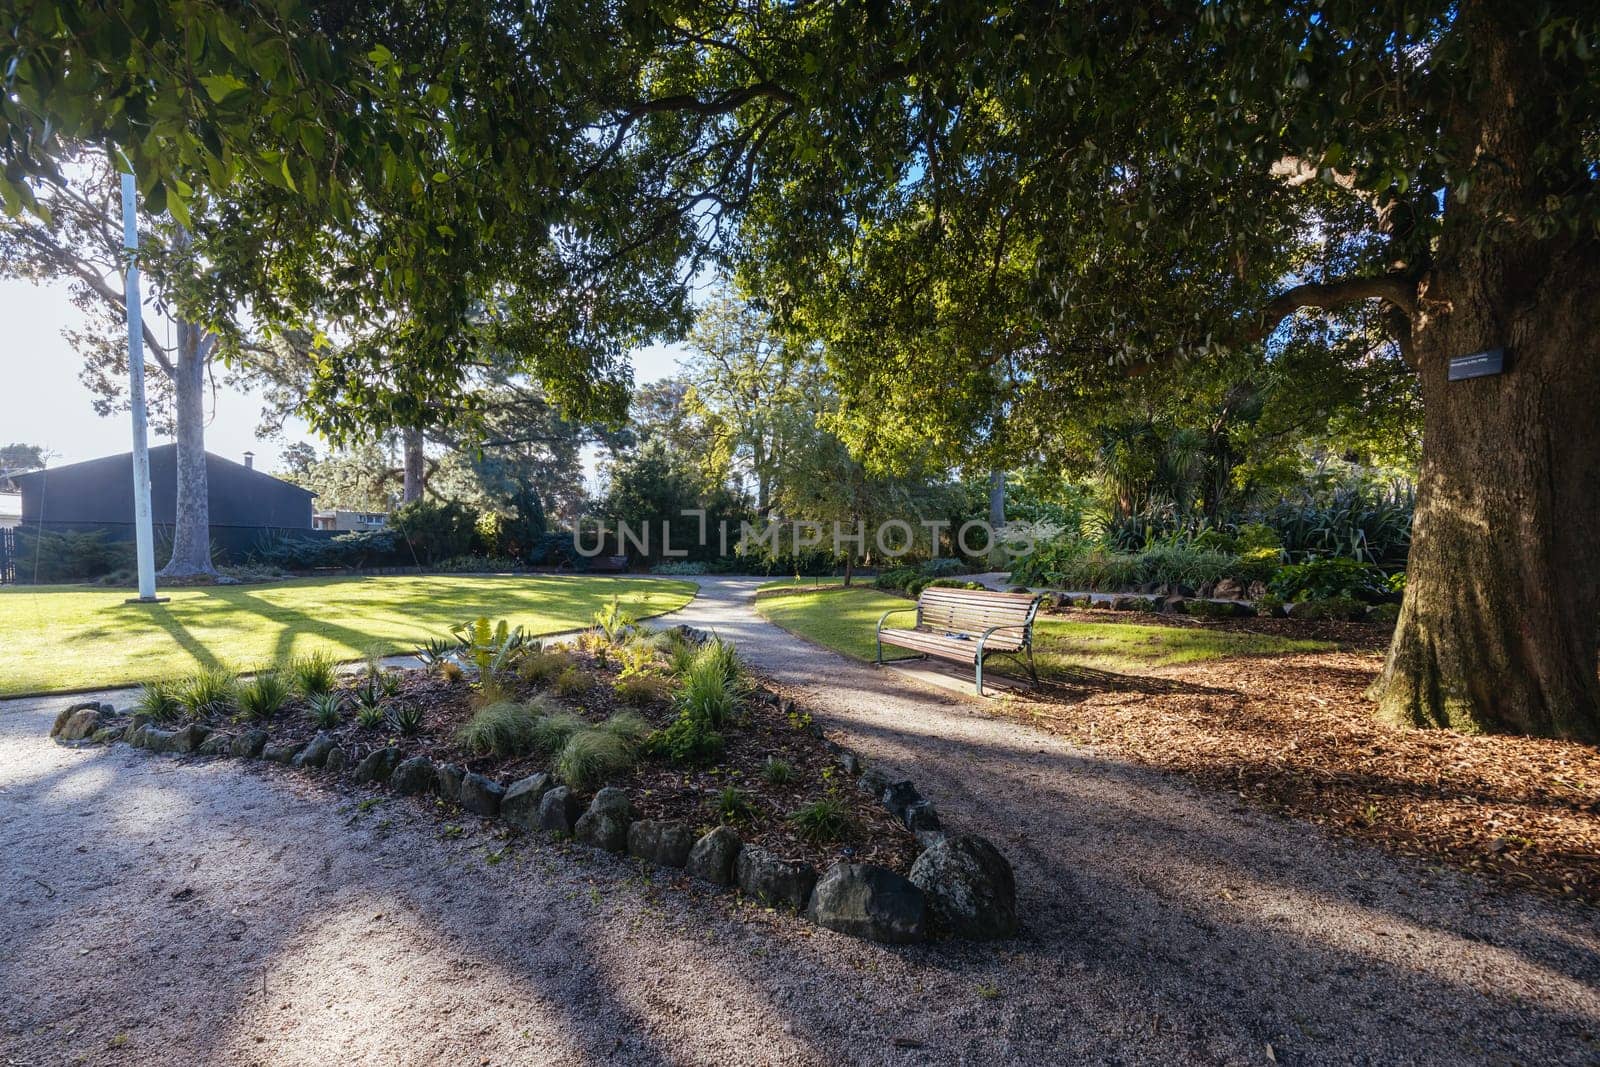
1295,735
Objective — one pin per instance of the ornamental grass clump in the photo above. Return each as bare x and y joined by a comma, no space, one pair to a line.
506,730
821,821
264,695
213,691
552,728
325,709
313,673
158,701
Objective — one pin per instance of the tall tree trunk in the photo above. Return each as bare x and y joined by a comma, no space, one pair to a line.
191,530
1501,618
416,469
997,517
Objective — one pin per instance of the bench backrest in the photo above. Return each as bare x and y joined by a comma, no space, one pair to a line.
973,611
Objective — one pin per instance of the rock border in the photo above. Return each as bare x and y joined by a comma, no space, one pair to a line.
959,886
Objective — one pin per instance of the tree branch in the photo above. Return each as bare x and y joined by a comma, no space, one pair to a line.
1328,295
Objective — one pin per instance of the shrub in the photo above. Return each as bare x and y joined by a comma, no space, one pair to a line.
71,556
1270,606
1256,536
941,567
505,730
681,566
688,740
1257,565
477,565
159,701
264,695
435,530
1344,608
591,756
406,720
896,578
325,709
733,806
629,726
957,583
213,691
1323,579
682,657
777,771
642,689
821,821
1384,614
540,667
313,673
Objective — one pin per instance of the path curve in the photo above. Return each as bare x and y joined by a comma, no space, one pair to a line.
158,912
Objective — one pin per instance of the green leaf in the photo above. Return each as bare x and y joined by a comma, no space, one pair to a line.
220,86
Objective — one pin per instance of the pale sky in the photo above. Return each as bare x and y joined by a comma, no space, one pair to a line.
42,402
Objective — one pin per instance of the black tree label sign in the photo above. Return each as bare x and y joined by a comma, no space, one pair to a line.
1478,365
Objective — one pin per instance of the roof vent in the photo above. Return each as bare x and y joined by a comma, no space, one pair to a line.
249,461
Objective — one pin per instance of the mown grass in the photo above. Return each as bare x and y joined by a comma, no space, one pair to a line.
846,622
59,638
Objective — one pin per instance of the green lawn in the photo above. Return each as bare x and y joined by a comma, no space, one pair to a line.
845,622
78,637
790,583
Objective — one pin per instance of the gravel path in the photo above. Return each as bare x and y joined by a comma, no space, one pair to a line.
158,912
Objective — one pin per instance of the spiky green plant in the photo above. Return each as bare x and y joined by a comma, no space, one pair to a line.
505,730
592,756
777,772
264,695
437,652
707,691
733,806
325,709
406,720
158,700
821,821
212,691
612,622
371,717
312,673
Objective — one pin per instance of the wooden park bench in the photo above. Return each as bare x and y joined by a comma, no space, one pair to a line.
967,626
608,564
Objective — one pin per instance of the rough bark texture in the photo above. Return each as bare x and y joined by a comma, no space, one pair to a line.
191,531
416,470
1501,617
997,518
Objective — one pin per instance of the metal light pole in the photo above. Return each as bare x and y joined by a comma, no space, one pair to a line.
143,534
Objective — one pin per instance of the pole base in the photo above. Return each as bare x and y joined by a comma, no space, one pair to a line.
148,600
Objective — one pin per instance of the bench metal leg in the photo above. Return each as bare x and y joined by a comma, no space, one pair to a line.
980,673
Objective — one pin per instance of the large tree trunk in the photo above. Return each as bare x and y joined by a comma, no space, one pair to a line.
997,518
1501,618
191,531
416,469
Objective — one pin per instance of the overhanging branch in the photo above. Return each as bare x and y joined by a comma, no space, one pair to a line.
1395,290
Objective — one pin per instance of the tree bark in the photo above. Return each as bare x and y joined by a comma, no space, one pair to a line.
191,530
1501,618
416,470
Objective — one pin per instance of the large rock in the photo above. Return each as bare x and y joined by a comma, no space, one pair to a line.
378,765
282,752
447,782
713,856
336,761
862,900
315,754
775,881
106,734
71,711
188,739
250,743
899,796
79,725
156,739
1228,589
605,824
557,809
660,841
921,816
873,781
481,795
520,805
218,744
415,775
969,887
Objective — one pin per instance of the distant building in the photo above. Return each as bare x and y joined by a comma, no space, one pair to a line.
349,521
97,494
10,510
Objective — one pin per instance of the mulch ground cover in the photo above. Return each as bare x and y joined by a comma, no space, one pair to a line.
1295,734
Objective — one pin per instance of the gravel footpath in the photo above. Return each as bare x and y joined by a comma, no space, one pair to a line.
158,912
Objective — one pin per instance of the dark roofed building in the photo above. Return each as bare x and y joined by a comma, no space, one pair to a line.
98,494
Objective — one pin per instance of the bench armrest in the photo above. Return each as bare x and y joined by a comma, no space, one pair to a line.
892,611
1025,627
